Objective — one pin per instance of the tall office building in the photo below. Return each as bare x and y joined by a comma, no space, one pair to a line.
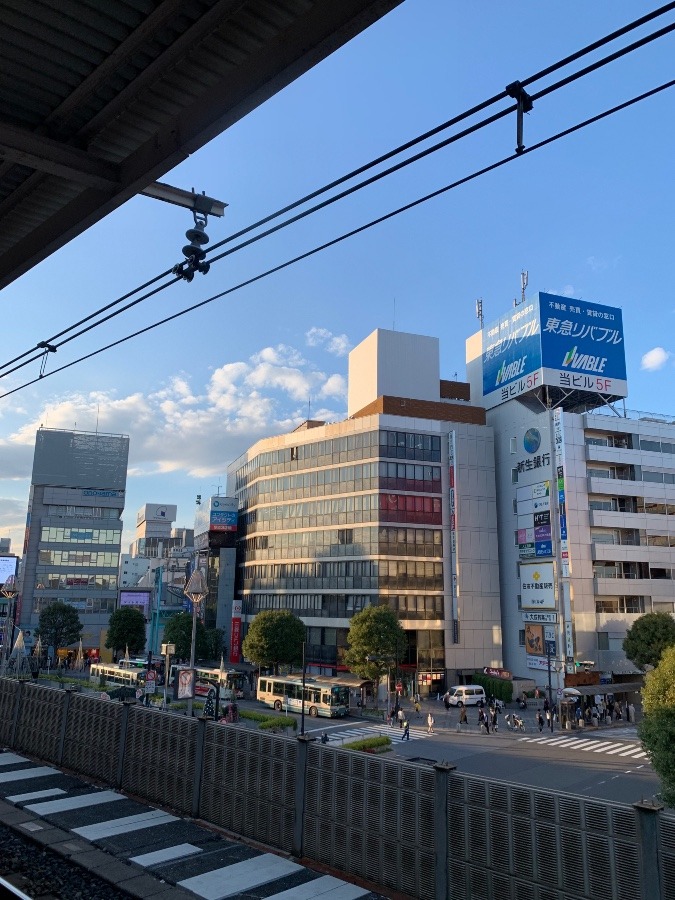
395,505
74,528
215,540
586,491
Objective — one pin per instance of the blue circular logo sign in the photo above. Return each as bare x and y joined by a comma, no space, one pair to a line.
532,440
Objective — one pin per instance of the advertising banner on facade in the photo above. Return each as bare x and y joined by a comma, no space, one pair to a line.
8,566
536,586
534,520
557,341
534,639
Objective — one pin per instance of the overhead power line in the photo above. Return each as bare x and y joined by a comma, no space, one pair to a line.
41,350
320,248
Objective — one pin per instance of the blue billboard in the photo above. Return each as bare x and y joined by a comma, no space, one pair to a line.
557,341
511,348
577,336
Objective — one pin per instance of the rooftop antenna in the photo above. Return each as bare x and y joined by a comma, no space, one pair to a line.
479,311
523,284
394,322
309,408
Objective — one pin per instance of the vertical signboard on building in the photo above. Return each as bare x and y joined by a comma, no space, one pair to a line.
452,481
235,632
559,445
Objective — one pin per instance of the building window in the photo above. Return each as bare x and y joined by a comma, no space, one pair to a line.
514,445
521,637
515,507
515,537
520,601
603,640
514,475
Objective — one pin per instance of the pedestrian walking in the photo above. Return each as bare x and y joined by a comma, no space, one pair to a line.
463,720
495,720
401,717
406,731
540,721
417,708
430,724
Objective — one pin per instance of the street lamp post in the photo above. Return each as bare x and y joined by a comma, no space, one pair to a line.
196,591
304,675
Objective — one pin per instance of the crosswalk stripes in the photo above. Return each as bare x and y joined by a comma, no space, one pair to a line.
592,745
172,850
357,734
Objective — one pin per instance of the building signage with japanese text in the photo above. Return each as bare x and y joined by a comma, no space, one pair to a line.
557,341
537,586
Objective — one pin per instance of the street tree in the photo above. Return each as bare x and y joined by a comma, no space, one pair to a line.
126,628
657,729
274,638
375,640
648,637
178,631
59,625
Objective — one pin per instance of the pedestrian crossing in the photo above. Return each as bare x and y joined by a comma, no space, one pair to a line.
342,736
173,850
592,745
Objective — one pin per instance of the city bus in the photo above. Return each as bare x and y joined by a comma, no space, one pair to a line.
231,682
321,698
116,675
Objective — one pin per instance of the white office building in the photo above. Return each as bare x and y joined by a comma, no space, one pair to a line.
585,491
395,506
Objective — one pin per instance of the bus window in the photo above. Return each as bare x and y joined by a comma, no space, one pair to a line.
263,684
278,689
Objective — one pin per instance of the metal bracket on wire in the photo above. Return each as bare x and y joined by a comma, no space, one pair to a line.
48,348
525,105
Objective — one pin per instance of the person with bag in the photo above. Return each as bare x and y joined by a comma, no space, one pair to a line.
406,731
430,724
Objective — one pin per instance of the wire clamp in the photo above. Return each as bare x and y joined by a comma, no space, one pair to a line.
525,105
48,348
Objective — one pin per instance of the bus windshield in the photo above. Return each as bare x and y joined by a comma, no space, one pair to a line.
339,696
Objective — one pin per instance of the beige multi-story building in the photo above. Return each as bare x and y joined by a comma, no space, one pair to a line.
394,505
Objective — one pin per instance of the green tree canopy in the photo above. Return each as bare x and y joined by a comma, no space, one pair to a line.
376,640
657,729
178,631
59,625
275,637
126,628
648,637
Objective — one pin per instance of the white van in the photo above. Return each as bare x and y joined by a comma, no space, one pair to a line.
466,695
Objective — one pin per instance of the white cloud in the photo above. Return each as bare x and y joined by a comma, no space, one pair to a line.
567,291
337,344
334,386
178,427
655,359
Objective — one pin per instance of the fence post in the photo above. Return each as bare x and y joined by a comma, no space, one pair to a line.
121,750
64,725
16,714
199,765
303,741
648,847
441,827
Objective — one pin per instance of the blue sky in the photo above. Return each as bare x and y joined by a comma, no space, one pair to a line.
589,217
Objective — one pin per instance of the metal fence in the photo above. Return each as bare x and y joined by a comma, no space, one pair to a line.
427,831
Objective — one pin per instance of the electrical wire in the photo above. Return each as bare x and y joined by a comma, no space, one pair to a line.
366,167
408,206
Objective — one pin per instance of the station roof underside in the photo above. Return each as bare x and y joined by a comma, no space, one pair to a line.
100,99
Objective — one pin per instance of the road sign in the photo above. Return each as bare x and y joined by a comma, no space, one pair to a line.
139,694
150,681
559,693
399,686
550,648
